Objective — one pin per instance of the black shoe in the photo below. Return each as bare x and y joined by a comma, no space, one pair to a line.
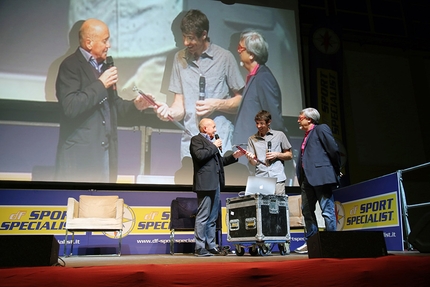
216,251
202,253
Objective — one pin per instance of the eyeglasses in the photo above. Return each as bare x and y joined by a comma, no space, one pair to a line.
240,49
301,118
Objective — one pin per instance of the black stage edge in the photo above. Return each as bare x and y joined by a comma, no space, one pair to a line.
28,250
347,244
13,184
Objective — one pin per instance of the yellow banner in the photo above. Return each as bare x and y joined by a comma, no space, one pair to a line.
371,212
33,219
151,220
155,220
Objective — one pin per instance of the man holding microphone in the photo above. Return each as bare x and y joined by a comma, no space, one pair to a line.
89,104
208,181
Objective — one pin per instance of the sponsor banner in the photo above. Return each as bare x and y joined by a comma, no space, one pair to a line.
377,186
372,205
325,65
151,235
329,102
373,212
27,219
146,221
325,79
35,219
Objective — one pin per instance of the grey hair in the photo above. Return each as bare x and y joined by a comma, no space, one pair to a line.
257,45
312,114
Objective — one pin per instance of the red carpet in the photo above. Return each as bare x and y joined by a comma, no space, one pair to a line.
389,270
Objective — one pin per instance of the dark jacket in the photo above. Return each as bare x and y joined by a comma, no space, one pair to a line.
84,130
208,164
321,158
262,92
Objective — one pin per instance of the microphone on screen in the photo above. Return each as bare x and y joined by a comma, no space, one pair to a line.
269,149
109,64
202,88
217,137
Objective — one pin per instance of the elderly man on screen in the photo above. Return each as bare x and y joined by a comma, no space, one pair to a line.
86,91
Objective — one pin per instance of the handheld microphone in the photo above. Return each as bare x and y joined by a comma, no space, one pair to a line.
202,87
109,64
217,137
269,149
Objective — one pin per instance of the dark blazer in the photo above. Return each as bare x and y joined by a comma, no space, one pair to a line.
84,130
321,158
208,164
262,92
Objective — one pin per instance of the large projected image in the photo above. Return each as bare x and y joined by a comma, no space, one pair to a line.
145,36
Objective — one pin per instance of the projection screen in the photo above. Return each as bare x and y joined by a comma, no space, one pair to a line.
37,35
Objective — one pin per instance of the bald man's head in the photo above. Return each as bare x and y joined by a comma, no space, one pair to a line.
204,123
94,38
208,127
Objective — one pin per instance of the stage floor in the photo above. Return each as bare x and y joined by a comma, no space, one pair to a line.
396,269
187,258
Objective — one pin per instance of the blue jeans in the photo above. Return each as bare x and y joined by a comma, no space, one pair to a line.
206,218
322,194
